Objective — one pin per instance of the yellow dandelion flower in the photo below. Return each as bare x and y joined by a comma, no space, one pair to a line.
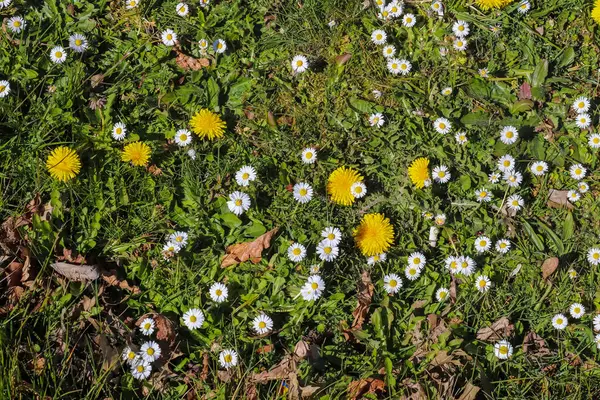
374,235
339,184
207,125
419,172
596,11
137,152
63,163
487,4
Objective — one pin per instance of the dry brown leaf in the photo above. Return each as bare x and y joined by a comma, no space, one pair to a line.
549,266
535,345
96,80
224,375
88,302
190,63
14,272
309,391
442,357
365,294
252,251
500,329
414,389
110,355
76,272
357,389
343,58
437,327
559,199
110,277
525,91
470,392
453,289
69,257
265,349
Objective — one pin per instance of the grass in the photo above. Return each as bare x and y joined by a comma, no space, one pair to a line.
62,339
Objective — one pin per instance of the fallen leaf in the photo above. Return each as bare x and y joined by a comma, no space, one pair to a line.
309,391
414,389
110,277
470,392
76,272
437,327
164,329
88,302
265,349
110,355
252,251
96,80
535,345
525,91
442,357
365,294
343,58
69,257
559,199
224,375
14,272
190,63
500,329
357,389
549,266
453,289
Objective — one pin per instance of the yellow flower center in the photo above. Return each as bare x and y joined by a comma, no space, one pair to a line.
238,202
302,192
220,46
559,321
182,9
358,189
408,20
581,104
327,250
183,137
331,236
453,265
464,264
461,28
17,24
2,87
150,351
218,292
577,310
179,239
442,125
503,350
245,175
228,358
394,9
140,368
596,256
78,42
169,36
394,65
119,130
297,251
596,140
403,66
262,325
540,168
131,355
379,36
58,54
393,283
509,134
384,14
482,194
462,137
482,243
308,155
147,326
577,171
443,295
460,43
583,120
417,261
299,63
441,174
193,318
482,283
314,286
132,3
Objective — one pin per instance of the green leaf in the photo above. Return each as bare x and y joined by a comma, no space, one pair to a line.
213,90
539,74
533,235
568,227
521,106
230,220
465,182
361,105
560,247
479,118
567,58
255,229
237,92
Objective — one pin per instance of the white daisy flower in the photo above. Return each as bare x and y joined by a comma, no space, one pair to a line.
16,24
141,369
583,121
466,265
503,246
313,288
438,7
169,37
119,131
239,202
378,37
309,155
150,351
461,138
440,174
219,46
509,135
513,178
302,192
218,292
4,88
440,219
594,141
412,273
396,66
332,234
461,28
4,3
296,252
573,196
315,269
482,244
228,358
442,294
129,356
453,264
494,177
389,51
524,7
380,3
583,187
596,323
204,3
58,55
577,171
183,137
392,283
577,310
443,51
460,44
506,163
182,9
447,91
299,64
147,326
129,4
442,125
262,324
597,340
503,350
427,215
377,120
327,251
483,72
581,105
331,23
245,175
180,238
483,195
483,283
417,260
203,44
193,318
539,168
358,190
78,43
192,154
395,9
170,249
593,256
559,321
409,20
377,259
384,14
572,273
376,93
